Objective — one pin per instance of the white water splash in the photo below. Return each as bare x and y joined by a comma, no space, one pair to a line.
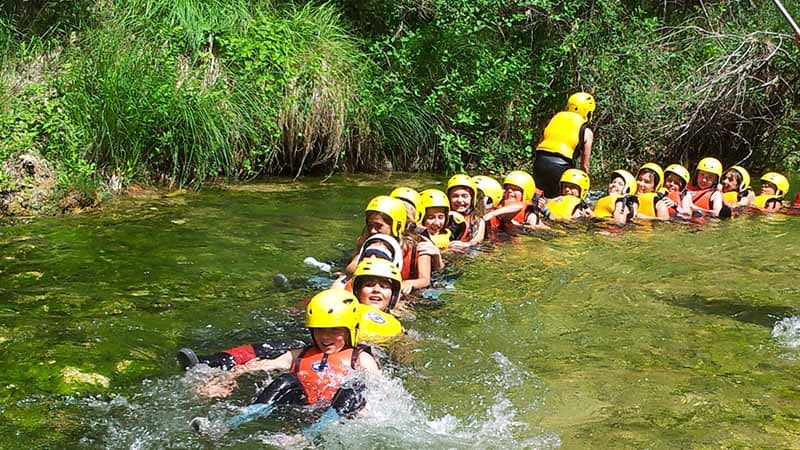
787,332
158,416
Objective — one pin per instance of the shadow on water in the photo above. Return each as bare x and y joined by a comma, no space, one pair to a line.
743,311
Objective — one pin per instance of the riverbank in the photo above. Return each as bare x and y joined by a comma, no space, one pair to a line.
149,92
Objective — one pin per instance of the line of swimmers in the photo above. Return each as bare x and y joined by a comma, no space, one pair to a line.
404,236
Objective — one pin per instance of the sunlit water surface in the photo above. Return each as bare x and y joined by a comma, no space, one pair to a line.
652,336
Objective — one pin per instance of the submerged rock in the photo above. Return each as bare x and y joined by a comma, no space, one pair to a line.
73,375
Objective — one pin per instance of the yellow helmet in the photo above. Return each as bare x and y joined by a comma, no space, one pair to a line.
680,171
578,178
434,198
655,168
334,308
744,175
778,180
391,207
491,188
462,180
711,165
628,179
581,103
522,180
411,196
379,268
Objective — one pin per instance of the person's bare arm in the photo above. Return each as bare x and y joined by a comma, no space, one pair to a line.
423,279
367,362
586,155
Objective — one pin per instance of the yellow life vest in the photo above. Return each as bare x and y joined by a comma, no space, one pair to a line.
563,207
647,204
562,134
441,239
375,324
730,198
605,206
762,200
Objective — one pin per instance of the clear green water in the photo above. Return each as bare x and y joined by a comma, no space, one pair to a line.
659,336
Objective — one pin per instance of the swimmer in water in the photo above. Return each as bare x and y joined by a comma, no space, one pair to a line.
387,215
774,187
736,191
466,226
570,204
436,217
702,194
520,206
613,204
315,374
676,178
649,180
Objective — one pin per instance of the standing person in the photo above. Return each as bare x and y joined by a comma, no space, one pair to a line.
566,138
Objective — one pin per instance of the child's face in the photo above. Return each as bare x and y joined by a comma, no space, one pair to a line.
376,224
434,220
730,183
705,179
645,183
570,189
673,182
376,292
411,212
330,340
617,186
460,199
512,193
768,188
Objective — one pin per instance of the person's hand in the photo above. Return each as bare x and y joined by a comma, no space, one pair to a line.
218,387
458,245
339,282
406,287
427,248
667,202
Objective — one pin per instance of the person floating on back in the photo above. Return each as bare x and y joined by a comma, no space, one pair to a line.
570,204
774,187
736,191
317,374
520,206
613,204
649,180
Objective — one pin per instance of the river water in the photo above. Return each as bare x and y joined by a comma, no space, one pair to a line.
657,336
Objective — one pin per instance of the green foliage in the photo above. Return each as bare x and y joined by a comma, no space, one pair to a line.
492,73
180,91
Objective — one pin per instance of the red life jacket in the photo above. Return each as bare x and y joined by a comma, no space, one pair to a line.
677,197
409,271
465,236
513,224
322,375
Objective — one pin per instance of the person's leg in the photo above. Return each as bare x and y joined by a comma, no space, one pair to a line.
547,170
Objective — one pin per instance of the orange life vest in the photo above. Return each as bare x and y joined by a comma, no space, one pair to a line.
322,375
701,197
